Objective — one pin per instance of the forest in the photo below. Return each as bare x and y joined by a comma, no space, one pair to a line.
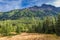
44,19
47,25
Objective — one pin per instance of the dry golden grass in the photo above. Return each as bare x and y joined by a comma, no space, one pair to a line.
32,36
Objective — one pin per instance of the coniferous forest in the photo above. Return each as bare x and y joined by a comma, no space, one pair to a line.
31,20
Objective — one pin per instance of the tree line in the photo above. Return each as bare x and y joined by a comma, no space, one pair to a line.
47,25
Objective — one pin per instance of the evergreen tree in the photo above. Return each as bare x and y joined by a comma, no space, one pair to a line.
57,28
47,25
5,30
39,28
18,30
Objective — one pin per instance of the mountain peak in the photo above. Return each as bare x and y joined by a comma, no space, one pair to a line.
47,5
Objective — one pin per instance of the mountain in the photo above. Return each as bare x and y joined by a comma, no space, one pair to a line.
35,11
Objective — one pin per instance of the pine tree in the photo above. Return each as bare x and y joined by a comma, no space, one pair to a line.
47,25
39,28
57,28
5,31
18,30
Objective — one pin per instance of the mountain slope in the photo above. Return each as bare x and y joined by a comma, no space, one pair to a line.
35,11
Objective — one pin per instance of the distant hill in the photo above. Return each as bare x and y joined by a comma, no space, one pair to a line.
35,11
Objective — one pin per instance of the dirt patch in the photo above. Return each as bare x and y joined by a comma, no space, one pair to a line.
31,36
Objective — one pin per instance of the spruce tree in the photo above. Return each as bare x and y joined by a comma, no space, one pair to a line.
57,28
18,30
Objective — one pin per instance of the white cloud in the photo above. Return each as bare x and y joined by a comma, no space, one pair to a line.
6,5
9,5
56,3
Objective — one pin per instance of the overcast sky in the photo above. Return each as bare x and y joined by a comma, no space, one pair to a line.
6,5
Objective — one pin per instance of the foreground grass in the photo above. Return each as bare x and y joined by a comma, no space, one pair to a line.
31,36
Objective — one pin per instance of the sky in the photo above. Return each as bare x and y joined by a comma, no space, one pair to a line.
7,5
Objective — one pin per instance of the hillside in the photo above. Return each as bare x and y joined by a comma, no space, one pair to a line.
35,11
